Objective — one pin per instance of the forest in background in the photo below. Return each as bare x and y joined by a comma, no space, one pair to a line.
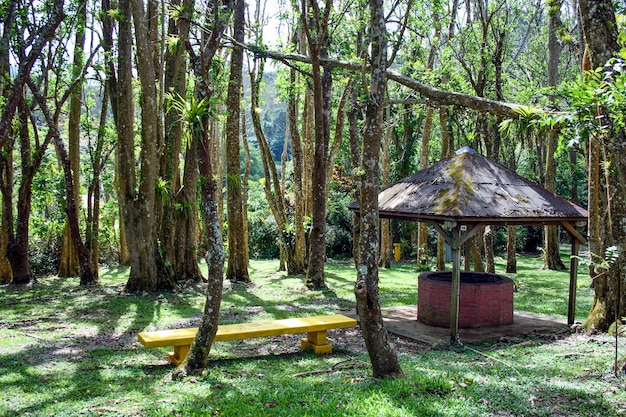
141,132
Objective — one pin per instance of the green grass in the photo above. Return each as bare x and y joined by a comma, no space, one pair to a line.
71,351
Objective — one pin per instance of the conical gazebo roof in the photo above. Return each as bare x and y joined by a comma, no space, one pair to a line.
470,188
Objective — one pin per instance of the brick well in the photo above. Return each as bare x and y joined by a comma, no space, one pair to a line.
485,299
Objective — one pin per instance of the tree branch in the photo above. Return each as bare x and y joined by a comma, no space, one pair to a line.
435,96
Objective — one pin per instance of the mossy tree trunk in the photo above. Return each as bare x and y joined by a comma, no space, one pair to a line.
198,356
382,354
137,193
315,24
68,266
600,32
237,269
552,255
297,154
177,207
386,248
6,161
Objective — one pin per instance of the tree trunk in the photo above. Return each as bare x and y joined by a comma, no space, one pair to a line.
178,221
386,248
274,192
600,31
17,238
6,158
299,240
422,231
447,145
490,265
477,244
237,269
316,29
138,202
17,245
382,355
93,194
201,346
68,266
511,258
246,181
87,275
552,255
355,160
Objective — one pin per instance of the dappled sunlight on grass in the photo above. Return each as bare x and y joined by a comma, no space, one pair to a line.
66,351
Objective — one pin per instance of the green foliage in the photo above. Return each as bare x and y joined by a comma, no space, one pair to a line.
600,88
47,218
339,226
162,189
192,111
263,235
173,43
116,14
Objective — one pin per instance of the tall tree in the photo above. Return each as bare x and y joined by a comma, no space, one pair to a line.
28,52
382,355
88,276
552,256
6,162
315,23
69,261
138,199
601,38
384,260
217,14
298,162
237,269
274,192
178,221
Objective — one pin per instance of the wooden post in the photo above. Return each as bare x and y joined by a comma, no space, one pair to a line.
573,278
455,287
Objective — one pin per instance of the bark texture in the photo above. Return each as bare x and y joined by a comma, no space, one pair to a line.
315,24
69,261
552,256
237,269
138,200
382,355
209,208
600,32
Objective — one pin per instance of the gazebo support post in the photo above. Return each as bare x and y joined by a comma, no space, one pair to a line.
573,278
577,239
455,287
456,241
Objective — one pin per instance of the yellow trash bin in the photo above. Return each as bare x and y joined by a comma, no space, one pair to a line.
397,252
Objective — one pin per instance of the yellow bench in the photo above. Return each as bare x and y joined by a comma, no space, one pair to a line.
314,326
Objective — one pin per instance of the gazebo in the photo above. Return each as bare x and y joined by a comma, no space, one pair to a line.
461,194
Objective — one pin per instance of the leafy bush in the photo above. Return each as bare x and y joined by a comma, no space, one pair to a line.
263,237
47,219
339,226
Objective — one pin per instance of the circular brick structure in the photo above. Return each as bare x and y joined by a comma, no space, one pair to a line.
486,300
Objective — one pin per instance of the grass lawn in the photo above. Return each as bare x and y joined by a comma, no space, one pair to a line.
71,351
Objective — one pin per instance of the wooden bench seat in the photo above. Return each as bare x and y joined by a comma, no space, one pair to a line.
314,326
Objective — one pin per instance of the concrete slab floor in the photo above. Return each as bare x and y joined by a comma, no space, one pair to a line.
403,322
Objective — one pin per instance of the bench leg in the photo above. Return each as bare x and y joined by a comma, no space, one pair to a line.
316,341
179,354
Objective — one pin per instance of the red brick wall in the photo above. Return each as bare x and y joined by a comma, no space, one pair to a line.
480,305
